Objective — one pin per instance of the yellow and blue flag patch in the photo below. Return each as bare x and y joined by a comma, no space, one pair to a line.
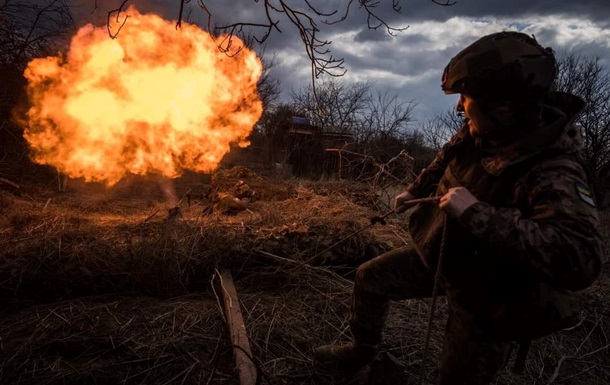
585,193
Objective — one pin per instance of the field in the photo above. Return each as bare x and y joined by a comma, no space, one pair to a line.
116,286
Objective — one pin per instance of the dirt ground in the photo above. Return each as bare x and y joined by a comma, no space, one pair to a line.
115,286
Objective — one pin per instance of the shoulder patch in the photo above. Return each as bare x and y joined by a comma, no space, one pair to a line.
585,193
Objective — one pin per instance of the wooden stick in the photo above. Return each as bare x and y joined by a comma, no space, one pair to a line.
237,329
7,182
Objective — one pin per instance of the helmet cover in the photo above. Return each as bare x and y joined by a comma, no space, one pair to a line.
502,65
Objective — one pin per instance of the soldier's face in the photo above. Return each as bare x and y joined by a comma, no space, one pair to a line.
474,116
488,121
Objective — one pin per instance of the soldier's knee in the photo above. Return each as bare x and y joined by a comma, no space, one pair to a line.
366,273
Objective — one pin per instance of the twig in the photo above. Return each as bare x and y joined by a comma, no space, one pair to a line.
595,351
383,169
302,264
271,324
179,22
118,13
572,356
7,182
218,302
151,216
46,205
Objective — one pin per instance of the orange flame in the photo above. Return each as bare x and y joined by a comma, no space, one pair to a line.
153,100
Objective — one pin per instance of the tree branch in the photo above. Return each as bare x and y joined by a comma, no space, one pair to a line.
118,13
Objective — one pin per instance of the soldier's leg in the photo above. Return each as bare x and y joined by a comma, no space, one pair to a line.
469,355
395,275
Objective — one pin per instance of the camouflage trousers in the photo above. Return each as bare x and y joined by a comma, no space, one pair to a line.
469,355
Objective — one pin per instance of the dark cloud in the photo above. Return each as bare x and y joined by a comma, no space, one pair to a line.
367,34
253,12
410,63
417,10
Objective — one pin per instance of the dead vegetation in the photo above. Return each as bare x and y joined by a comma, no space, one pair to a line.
104,286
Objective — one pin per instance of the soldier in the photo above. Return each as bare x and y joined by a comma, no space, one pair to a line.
520,222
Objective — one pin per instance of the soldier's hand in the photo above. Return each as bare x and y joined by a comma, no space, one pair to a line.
400,200
456,201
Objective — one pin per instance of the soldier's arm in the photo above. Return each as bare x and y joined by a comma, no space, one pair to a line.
426,182
558,238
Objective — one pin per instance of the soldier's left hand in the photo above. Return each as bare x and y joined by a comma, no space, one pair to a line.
456,201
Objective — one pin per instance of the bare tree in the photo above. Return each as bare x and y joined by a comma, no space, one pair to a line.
437,130
383,129
355,108
27,30
379,123
589,78
334,105
385,116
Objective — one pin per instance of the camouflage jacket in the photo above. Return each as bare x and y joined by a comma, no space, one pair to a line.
535,222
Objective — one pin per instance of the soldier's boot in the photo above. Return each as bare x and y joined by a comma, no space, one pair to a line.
349,358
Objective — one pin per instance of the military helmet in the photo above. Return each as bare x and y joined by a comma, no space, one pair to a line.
502,65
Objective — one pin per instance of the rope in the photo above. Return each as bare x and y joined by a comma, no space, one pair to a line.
434,298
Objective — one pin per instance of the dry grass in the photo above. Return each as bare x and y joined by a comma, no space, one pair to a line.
114,339
102,287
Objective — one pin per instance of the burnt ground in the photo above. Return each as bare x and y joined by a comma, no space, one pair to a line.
105,286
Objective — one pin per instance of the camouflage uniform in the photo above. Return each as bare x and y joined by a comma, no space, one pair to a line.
510,259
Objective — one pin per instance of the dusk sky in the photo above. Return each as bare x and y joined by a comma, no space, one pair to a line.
408,64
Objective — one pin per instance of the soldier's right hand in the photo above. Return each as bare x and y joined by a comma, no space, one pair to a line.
401,199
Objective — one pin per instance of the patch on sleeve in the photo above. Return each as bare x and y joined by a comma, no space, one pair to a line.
585,193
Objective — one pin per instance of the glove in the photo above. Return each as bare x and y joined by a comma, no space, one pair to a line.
400,200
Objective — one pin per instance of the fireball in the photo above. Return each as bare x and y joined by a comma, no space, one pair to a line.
152,100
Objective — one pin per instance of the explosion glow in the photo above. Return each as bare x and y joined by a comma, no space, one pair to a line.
153,100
